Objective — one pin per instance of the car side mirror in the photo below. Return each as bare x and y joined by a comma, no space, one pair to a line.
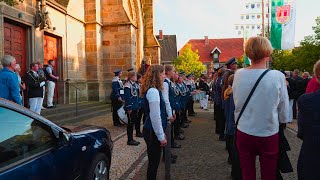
63,139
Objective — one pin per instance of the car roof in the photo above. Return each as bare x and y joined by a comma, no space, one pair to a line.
21,109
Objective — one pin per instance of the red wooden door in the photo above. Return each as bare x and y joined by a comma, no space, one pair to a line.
51,46
15,44
51,51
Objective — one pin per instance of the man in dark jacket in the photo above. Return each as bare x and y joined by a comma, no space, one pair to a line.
298,90
35,85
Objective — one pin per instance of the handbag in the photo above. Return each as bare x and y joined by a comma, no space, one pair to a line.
235,158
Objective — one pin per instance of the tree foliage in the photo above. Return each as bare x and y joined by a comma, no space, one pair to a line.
302,58
188,61
12,2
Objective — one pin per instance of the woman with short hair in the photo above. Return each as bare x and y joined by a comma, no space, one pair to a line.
309,132
258,126
156,117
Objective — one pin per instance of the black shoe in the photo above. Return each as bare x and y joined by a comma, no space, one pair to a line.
175,145
180,137
181,131
133,143
192,115
139,134
50,107
173,161
185,126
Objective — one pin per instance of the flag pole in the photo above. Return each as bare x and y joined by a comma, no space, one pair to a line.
263,28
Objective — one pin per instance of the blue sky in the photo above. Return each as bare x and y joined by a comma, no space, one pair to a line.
190,19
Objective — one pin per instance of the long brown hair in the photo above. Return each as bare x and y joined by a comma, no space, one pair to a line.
152,79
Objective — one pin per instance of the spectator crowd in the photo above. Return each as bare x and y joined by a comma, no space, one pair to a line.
27,89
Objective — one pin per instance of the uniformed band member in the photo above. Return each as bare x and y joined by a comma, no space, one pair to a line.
184,92
169,98
141,111
192,89
116,96
178,132
156,117
132,107
220,122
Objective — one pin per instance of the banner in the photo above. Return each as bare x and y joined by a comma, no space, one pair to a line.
283,22
247,61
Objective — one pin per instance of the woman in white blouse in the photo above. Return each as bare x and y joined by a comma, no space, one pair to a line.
156,117
257,130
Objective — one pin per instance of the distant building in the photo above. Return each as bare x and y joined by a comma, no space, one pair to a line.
215,52
251,18
169,50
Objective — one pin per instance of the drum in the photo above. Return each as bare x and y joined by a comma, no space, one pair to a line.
123,115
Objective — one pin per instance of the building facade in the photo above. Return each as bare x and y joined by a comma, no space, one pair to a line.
169,49
216,52
88,39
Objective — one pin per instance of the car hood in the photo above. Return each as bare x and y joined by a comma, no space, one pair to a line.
80,128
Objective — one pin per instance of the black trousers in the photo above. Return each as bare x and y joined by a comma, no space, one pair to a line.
138,122
184,117
294,109
116,105
177,124
154,153
229,144
132,119
190,106
220,120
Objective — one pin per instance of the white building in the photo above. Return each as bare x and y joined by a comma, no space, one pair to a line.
251,17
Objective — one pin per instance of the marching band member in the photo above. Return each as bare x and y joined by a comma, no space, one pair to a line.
184,96
141,110
169,98
132,105
178,132
156,117
116,96
192,89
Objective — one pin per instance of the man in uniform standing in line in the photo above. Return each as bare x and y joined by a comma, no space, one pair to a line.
116,96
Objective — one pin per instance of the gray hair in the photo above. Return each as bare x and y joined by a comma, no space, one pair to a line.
7,60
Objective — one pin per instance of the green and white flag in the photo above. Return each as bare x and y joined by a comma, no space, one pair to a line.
283,22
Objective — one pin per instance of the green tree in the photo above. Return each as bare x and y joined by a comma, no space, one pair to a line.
12,2
188,61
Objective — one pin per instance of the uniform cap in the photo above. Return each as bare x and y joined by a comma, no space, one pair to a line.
117,72
129,70
231,61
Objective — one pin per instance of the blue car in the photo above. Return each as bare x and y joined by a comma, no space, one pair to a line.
33,148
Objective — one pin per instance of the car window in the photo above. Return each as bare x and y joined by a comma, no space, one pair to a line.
22,137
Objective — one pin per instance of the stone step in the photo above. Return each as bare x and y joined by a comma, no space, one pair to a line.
83,117
67,107
65,114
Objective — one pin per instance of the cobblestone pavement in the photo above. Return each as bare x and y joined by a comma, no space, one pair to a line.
123,156
204,157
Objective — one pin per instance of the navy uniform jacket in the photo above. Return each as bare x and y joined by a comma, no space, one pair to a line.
172,95
309,132
183,95
131,96
177,97
218,92
117,88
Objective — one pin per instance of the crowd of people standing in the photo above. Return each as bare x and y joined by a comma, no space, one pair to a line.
252,107
17,87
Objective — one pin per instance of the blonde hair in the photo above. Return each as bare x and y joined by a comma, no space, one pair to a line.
257,48
316,70
152,78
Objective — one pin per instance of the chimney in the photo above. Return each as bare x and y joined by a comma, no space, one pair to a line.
206,40
160,35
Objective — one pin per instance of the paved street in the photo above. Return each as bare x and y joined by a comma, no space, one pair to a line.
202,156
